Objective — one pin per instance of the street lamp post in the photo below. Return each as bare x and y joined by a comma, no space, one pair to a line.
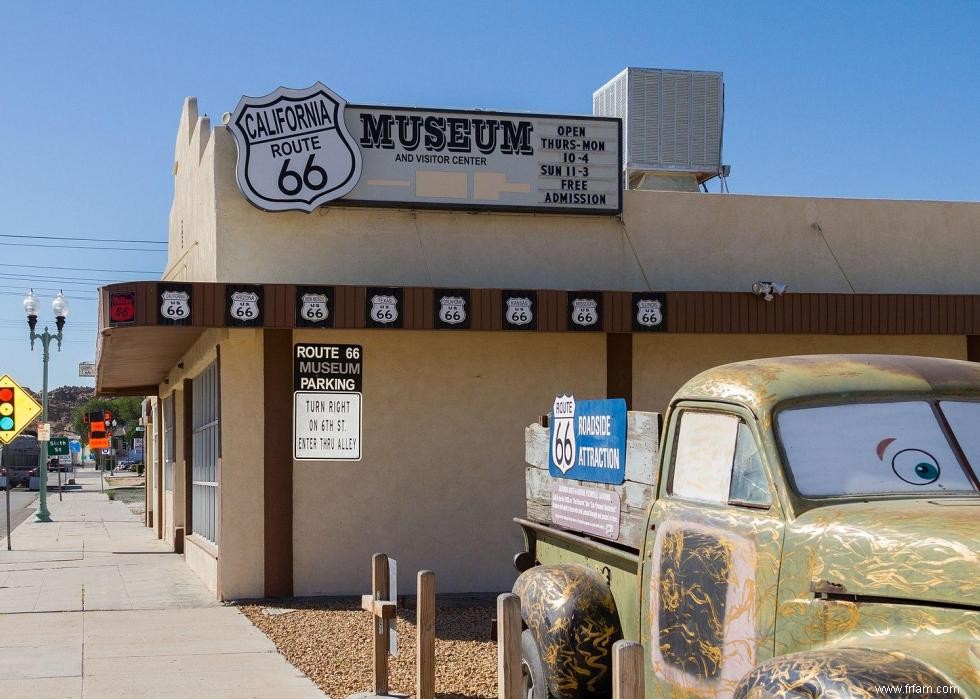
59,306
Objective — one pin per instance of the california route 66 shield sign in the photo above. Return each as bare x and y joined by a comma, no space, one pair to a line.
122,307
294,149
175,303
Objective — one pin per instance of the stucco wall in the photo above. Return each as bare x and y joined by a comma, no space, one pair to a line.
243,424
721,242
664,241
202,559
662,363
442,472
191,250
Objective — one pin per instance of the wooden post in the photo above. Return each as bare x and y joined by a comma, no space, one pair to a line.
508,646
380,609
379,588
627,670
425,625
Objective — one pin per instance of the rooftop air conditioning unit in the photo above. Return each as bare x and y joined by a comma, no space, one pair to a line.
672,123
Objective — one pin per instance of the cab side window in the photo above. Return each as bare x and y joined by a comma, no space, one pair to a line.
749,483
717,460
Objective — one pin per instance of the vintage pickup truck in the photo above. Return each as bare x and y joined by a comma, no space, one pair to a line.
812,530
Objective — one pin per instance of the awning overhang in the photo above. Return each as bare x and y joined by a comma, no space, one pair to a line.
134,361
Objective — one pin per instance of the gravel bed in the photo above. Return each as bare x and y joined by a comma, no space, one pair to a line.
330,641
134,497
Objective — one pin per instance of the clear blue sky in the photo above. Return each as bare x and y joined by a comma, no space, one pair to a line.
845,99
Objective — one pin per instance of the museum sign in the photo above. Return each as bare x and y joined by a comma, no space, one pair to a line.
300,149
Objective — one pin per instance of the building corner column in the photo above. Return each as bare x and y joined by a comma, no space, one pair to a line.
278,462
619,367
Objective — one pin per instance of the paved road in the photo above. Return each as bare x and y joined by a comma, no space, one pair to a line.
20,509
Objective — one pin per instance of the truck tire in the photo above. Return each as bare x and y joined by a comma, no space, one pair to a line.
533,671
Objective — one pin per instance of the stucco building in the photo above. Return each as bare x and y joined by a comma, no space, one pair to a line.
441,466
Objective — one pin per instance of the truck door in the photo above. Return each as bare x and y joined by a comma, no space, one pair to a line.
711,564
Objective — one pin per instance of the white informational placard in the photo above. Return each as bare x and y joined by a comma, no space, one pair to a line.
326,426
44,431
586,508
86,369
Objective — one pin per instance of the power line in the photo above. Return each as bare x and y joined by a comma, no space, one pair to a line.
27,339
75,237
70,298
60,285
52,278
82,247
87,269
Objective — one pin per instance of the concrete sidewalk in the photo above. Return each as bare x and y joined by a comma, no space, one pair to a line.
93,605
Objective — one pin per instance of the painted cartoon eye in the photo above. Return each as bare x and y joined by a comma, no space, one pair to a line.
916,467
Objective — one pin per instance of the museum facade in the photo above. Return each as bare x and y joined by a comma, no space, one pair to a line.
347,343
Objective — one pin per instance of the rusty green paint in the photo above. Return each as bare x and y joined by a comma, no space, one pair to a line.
762,384
911,566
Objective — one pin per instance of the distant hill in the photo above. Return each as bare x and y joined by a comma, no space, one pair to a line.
61,402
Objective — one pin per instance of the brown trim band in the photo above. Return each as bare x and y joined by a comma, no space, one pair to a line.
618,311
277,380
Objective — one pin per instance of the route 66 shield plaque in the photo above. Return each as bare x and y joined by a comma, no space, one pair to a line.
294,149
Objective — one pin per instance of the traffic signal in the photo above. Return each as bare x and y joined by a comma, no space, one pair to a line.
7,416
97,437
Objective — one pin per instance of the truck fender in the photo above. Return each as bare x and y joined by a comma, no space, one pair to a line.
840,672
570,611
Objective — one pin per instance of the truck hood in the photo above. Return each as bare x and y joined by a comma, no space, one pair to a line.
915,550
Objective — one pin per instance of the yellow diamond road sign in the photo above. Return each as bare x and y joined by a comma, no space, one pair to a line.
18,409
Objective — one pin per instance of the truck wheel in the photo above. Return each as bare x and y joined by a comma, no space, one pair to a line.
532,669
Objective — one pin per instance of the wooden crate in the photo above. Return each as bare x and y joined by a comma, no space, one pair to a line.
635,494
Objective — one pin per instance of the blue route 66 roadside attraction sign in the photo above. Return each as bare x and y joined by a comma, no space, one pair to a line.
588,440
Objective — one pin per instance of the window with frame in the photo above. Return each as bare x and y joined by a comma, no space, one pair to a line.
206,450
169,442
717,460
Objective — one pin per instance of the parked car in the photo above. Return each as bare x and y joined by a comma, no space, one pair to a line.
19,457
812,529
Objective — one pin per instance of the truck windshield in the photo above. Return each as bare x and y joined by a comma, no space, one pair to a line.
878,448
